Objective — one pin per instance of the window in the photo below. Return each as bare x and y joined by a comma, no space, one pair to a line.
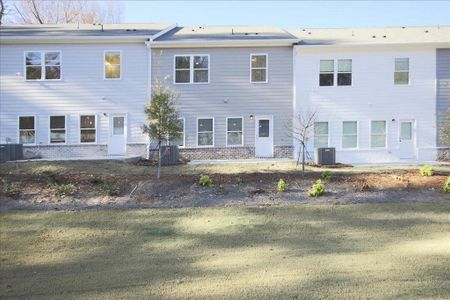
321,134
43,65
326,77
180,140
378,134
401,73
350,134
88,129
112,64
27,130
205,132
192,69
344,75
258,68
57,129
234,132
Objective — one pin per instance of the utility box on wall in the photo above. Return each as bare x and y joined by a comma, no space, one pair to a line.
325,156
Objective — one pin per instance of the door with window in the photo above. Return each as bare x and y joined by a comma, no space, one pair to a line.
406,140
117,135
264,136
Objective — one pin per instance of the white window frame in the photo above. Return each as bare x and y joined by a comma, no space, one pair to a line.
183,132
266,68
18,130
50,129
79,129
386,134
43,65
328,134
104,65
337,71
213,132
191,68
242,131
334,72
357,136
409,72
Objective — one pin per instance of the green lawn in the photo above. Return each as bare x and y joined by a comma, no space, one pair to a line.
360,251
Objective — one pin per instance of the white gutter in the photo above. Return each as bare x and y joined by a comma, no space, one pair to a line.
224,43
71,39
379,45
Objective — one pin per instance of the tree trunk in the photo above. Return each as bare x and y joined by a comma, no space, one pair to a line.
159,160
303,160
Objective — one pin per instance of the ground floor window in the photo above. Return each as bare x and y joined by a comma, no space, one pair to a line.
205,132
27,130
349,134
88,129
179,141
57,129
378,134
234,131
321,134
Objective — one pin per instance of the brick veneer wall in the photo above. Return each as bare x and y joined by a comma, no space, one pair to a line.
444,154
67,151
226,153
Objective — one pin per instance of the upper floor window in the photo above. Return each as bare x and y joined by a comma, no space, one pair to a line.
27,130
258,68
401,73
43,65
112,61
57,129
191,69
321,134
328,76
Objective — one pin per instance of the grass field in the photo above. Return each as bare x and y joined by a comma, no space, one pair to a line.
369,251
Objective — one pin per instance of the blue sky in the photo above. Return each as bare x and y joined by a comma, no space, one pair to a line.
290,14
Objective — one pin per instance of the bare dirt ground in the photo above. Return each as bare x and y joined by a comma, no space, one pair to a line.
254,189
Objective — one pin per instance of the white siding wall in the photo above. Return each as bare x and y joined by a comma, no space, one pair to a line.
230,93
372,96
79,92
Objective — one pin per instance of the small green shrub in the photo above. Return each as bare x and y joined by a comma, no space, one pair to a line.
446,187
50,176
317,189
10,190
326,175
63,189
205,181
426,170
281,186
111,189
238,180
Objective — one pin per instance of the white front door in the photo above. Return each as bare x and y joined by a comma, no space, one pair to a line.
406,139
264,136
117,135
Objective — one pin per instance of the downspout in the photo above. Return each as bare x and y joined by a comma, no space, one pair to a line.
148,43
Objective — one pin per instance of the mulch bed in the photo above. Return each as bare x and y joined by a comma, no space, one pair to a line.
243,189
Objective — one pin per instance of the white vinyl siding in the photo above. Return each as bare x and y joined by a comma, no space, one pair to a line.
378,134
258,68
57,132
235,131
205,132
321,134
112,64
27,130
43,65
349,134
401,73
191,69
88,129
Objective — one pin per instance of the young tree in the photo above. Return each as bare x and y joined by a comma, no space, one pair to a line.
445,131
162,117
302,131
64,11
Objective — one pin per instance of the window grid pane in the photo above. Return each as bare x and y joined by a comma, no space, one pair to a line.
87,129
112,64
205,133
378,134
234,131
259,68
27,133
350,134
320,134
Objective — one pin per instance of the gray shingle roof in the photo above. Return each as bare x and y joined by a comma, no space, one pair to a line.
82,30
388,35
225,33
